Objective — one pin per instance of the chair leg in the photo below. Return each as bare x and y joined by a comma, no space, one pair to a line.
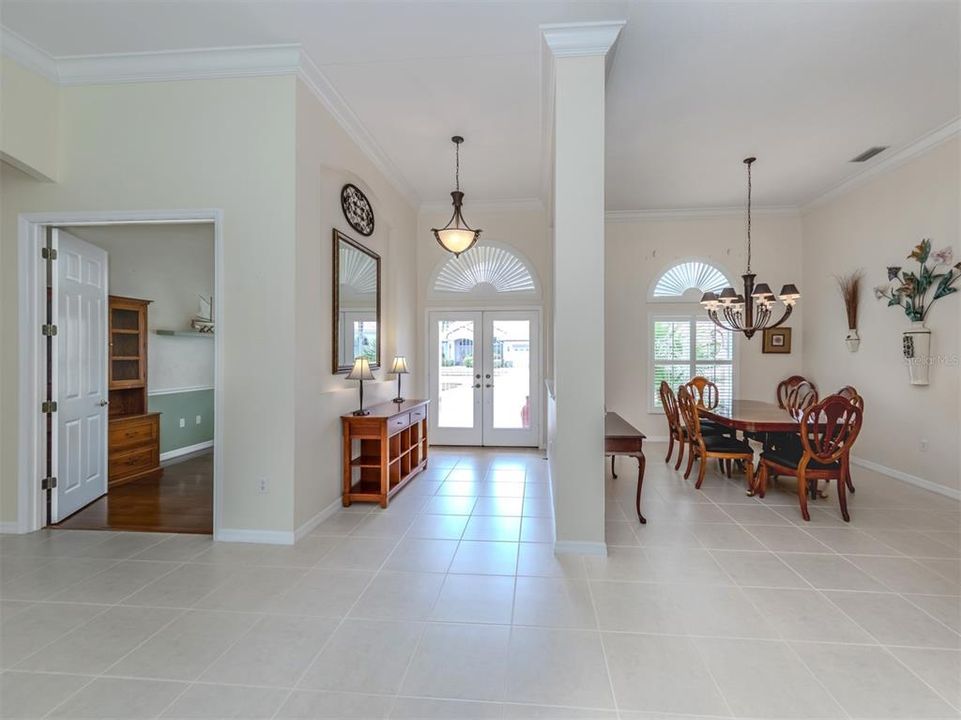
802,493
728,463
680,453
749,473
720,465
847,479
842,499
690,460
670,449
760,484
613,474
702,468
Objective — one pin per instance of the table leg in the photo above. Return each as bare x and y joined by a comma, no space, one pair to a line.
613,474
641,464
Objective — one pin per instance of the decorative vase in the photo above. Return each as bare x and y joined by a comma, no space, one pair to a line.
853,340
916,344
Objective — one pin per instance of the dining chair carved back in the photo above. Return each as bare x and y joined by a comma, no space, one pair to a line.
704,391
800,397
828,430
704,446
675,428
785,387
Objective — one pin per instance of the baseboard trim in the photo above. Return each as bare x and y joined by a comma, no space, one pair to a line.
578,547
10,528
317,519
908,478
186,450
264,537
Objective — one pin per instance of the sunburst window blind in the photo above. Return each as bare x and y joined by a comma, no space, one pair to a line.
685,346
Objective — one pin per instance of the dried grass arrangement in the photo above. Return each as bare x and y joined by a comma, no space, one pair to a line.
850,287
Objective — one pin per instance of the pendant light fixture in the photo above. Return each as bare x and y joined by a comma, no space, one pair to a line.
456,236
752,311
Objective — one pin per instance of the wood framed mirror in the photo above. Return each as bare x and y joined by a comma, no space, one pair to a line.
356,316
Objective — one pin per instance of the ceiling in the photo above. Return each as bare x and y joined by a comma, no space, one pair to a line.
693,87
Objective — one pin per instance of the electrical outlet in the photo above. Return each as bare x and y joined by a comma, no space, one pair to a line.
183,422
924,445
263,486
198,419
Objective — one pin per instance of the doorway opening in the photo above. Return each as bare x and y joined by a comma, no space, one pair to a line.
485,377
124,411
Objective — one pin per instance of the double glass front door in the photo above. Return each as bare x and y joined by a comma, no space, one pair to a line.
485,378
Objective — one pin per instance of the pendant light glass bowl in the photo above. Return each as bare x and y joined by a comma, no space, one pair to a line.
456,236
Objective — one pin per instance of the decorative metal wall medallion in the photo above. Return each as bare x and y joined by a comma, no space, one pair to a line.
357,209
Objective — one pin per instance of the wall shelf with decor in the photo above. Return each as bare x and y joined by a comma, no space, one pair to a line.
184,333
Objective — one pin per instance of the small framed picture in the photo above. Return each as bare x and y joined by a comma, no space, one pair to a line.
777,340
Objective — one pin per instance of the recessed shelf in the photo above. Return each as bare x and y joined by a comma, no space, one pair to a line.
184,333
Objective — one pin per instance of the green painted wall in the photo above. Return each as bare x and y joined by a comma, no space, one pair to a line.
187,405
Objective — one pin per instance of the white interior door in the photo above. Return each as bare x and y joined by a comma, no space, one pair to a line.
485,378
511,378
79,373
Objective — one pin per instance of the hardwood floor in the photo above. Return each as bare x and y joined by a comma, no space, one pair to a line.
181,502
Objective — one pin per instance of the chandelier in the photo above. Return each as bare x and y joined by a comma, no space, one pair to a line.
752,311
456,236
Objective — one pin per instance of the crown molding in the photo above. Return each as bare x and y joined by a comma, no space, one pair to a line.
333,101
581,39
208,64
622,216
494,206
25,53
908,152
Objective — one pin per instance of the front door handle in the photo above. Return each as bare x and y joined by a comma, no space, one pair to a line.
476,385
489,385
104,403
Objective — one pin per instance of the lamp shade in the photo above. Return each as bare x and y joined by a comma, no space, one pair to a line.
790,292
399,366
456,237
361,370
709,299
762,290
728,295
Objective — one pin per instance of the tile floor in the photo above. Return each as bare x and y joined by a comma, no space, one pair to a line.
451,604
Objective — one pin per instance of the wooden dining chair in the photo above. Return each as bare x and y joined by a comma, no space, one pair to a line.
675,429
705,447
849,392
828,431
785,387
707,395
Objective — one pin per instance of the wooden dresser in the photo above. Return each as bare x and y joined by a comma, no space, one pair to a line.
384,450
133,439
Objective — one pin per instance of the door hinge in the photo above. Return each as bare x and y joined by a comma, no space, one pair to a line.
48,253
48,330
48,483
48,406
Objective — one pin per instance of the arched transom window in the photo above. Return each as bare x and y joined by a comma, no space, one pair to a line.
690,276
485,270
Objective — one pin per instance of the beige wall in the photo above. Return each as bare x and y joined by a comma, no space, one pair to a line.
175,145
638,252
871,227
326,159
29,121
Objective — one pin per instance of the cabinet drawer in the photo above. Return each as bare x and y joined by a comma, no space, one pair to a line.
417,415
398,422
132,462
133,433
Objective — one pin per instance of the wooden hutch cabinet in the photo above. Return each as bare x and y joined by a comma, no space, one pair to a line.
133,439
392,443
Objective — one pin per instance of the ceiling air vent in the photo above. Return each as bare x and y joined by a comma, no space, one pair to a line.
869,153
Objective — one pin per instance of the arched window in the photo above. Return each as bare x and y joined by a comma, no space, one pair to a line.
694,275
684,343
485,270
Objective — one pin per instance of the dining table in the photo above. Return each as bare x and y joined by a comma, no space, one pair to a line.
754,416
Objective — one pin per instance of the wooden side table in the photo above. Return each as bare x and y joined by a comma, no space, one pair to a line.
383,451
622,438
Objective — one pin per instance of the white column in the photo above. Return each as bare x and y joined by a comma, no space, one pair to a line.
577,459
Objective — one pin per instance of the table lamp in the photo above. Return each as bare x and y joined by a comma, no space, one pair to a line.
399,367
361,371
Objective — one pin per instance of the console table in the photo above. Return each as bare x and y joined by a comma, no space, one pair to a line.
622,438
384,450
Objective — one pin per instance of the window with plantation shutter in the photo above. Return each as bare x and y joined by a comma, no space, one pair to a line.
685,346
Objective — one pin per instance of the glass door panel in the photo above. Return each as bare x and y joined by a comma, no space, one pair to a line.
511,378
455,378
